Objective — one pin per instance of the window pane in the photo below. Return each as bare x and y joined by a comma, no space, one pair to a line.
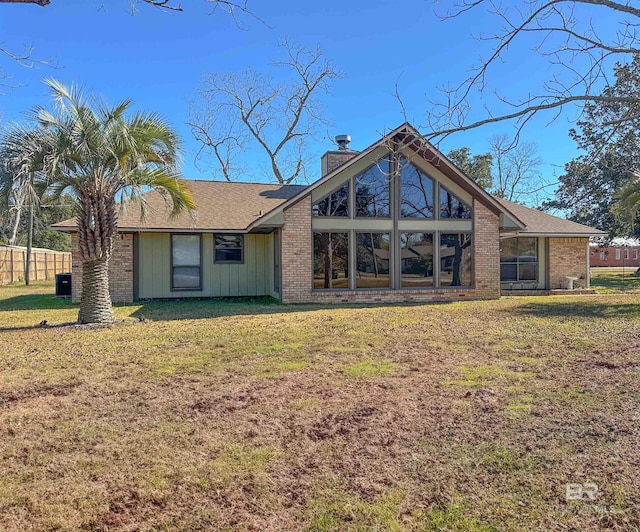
452,207
519,259
185,250
509,250
527,271
508,272
186,277
372,191
416,192
372,260
416,256
335,204
455,259
229,248
330,260
527,249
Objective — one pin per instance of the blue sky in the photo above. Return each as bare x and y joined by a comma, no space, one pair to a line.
158,59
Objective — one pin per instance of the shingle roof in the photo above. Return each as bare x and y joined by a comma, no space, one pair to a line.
221,206
538,222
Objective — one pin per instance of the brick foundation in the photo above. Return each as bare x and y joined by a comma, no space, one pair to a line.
568,257
120,269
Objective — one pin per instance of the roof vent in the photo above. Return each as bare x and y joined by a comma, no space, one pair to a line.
343,142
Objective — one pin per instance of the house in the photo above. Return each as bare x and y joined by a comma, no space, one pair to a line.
620,252
394,222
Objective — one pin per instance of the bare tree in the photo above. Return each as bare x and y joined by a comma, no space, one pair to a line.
576,39
516,169
236,111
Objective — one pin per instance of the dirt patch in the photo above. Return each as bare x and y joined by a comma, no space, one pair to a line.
333,425
54,390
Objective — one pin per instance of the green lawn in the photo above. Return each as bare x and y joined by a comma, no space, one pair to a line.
614,280
254,416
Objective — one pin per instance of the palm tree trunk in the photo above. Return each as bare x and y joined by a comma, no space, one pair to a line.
95,302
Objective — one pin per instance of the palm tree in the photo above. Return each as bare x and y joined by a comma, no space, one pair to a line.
101,156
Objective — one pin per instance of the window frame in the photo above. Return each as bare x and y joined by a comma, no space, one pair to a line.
173,288
390,194
517,263
435,213
618,253
434,266
472,284
391,260
215,249
313,258
348,216
439,190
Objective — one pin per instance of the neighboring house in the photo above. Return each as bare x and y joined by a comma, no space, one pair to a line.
618,252
395,222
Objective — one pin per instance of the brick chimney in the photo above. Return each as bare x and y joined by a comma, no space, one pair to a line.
334,158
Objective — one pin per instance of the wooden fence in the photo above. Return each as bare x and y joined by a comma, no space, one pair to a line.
45,263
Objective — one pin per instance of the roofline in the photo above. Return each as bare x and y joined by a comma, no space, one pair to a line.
553,234
406,128
69,229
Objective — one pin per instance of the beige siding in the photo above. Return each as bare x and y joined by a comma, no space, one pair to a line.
252,278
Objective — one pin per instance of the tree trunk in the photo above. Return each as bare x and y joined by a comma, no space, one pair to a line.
27,270
96,228
14,230
95,302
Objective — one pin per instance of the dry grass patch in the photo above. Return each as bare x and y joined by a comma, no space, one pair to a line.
252,416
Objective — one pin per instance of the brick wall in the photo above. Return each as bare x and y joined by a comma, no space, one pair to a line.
631,260
487,252
568,257
120,269
296,253
297,272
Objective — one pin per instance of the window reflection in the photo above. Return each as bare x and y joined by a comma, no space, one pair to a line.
372,191
330,260
416,256
416,192
372,260
455,259
453,207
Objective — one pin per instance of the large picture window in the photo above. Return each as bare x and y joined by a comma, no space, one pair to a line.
416,257
456,257
229,248
186,264
416,192
519,259
330,260
372,260
372,191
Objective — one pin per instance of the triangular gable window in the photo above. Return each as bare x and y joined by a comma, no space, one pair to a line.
452,207
336,203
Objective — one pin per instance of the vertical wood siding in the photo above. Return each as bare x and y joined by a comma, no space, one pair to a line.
252,278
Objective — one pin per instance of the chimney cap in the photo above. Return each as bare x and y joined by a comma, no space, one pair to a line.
343,141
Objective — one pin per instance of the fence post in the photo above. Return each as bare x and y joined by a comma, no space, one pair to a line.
11,262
